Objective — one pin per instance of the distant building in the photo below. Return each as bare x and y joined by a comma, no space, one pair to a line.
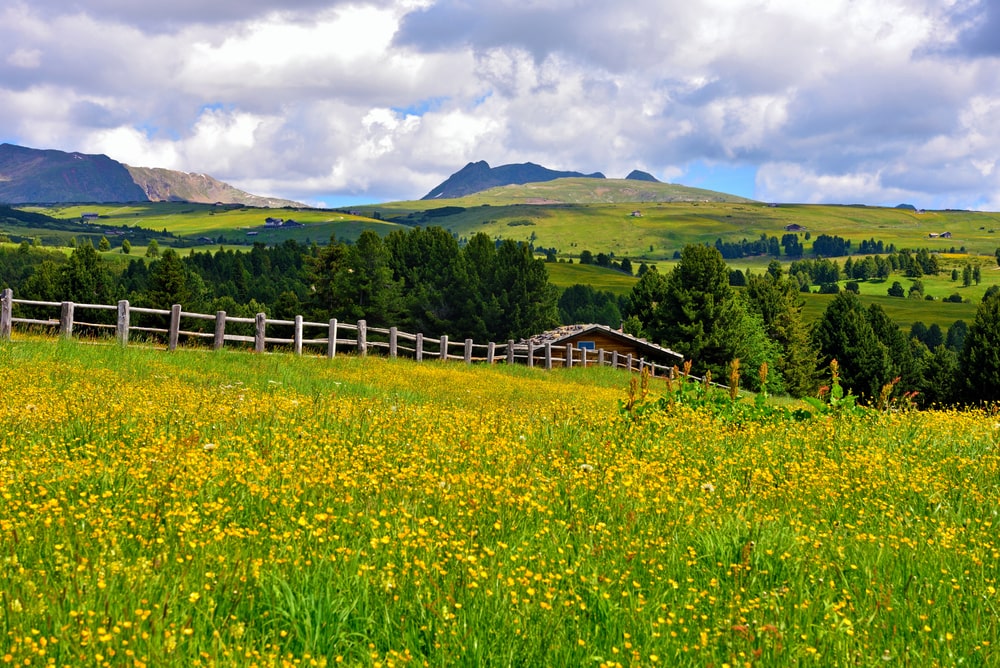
89,217
636,214
794,227
602,337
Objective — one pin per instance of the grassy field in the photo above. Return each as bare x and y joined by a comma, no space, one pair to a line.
235,509
193,221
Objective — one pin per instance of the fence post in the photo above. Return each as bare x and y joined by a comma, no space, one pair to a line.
531,354
569,356
419,354
220,331
444,348
628,362
6,313
583,357
491,350
66,320
468,351
614,359
260,329
393,339
600,357
548,356
331,341
174,333
510,351
362,338
124,316
297,337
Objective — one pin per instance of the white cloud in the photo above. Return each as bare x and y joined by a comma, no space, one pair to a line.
847,100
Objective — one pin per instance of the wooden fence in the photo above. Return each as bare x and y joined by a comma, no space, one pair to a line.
327,338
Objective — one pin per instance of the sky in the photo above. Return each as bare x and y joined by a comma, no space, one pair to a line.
328,102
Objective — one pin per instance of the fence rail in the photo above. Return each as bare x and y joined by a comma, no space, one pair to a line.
331,337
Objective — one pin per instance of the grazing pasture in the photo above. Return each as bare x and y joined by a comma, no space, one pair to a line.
186,508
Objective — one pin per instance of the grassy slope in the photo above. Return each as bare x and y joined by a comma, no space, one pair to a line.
603,223
282,509
197,220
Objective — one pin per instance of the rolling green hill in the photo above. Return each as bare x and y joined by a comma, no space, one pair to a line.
644,221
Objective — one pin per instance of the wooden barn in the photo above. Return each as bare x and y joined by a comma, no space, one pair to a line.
601,337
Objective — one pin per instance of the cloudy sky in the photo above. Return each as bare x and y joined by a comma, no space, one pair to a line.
332,102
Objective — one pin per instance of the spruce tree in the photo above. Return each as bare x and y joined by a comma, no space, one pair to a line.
980,358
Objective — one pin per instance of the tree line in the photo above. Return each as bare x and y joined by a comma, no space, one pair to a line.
424,280
695,310
420,279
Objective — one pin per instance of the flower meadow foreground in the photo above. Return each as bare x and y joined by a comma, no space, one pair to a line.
233,509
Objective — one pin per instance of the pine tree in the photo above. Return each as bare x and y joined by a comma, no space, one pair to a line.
980,358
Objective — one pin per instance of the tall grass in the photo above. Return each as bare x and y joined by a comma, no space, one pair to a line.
228,508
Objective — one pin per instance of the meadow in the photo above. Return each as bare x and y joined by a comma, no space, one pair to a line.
196,508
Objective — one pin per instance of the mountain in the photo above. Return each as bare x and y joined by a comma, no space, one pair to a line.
32,175
36,176
636,175
167,185
479,176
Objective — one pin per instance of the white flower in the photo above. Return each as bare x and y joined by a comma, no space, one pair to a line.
586,468
208,447
707,487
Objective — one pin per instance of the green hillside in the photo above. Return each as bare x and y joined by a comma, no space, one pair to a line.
230,223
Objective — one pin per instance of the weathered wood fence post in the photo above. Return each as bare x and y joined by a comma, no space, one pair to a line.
393,342
628,362
510,351
583,357
260,330
124,322
66,320
331,341
174,333
548,356
491,350
297,338
419,345
614,359
531,354
600,357
6,313
569,356
468,351
362,338
444,348
219,340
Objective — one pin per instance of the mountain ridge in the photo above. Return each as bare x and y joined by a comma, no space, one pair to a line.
49,176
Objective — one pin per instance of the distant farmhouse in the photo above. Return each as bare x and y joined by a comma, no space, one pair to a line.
794,227
602,337
941,235
278,222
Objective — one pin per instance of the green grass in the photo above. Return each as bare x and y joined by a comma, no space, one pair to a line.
205,220
226,508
